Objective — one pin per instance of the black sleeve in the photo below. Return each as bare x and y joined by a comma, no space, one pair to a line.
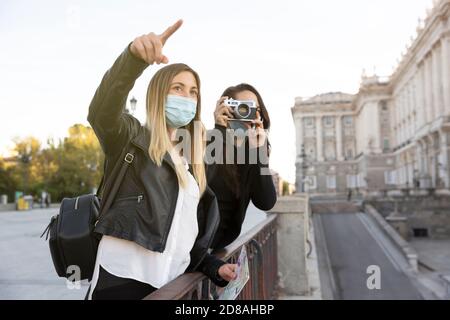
262,188
110,123
219,132
210,266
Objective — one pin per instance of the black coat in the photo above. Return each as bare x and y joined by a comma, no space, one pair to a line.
145,203
254,186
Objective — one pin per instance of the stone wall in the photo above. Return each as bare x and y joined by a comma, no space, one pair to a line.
431,213
293,221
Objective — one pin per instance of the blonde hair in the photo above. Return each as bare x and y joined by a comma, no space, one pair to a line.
160,143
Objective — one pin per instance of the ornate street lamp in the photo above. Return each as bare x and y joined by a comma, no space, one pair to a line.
133,103
26,159
304,164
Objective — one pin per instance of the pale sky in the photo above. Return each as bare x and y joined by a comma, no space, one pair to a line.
53,55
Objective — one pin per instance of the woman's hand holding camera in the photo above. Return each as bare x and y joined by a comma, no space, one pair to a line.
222,112
148,47
256,133
256,136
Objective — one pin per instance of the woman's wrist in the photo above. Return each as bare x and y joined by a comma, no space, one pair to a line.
134,56
217,275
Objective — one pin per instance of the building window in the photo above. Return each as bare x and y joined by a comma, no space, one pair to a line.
310,183
389,177
361,181
383,106
351,181
420,232
309,122
330,151
310,151
328,121
331,182
386,144
348,121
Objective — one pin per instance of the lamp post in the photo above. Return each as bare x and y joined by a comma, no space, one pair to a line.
133,103
92,167
26,159
304,166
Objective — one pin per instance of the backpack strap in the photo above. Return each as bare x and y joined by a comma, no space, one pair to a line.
111,184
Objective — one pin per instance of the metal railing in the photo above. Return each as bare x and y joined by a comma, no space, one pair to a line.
261,245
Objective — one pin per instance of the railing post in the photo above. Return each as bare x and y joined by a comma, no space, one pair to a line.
292,225
260,267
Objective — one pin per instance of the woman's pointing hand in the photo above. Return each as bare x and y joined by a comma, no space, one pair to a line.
148,47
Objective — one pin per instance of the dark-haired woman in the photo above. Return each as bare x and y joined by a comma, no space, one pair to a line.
236,184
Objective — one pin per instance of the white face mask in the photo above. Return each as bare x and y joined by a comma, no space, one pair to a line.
179,110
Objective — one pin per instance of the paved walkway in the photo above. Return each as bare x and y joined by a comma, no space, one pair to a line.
434,258
434,253
26,267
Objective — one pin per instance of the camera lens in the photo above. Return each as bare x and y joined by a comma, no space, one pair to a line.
243,110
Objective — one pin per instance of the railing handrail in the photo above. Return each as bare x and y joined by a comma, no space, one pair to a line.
237,244
178,287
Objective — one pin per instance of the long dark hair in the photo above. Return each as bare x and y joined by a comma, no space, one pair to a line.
230,171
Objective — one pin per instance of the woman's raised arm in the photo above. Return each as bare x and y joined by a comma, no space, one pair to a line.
111,124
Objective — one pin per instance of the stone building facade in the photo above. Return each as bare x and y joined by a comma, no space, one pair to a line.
394,133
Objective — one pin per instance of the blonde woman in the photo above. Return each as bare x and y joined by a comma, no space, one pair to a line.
164,217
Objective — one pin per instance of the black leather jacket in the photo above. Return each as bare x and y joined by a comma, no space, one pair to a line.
144,206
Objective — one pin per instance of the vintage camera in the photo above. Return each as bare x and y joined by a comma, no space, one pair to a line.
242,110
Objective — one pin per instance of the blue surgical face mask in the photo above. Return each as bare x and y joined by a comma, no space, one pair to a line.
179,110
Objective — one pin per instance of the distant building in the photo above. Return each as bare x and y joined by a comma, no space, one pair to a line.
282,187
394,133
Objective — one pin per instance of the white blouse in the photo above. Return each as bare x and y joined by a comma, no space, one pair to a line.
127,259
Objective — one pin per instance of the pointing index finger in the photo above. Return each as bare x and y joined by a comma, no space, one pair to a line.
170,31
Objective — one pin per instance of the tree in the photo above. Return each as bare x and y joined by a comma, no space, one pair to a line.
8,183
26,151
285,188
65,168
79,159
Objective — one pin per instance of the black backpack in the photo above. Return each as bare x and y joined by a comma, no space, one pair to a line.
73,242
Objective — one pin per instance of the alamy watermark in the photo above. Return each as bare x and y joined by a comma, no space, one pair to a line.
374,280
226,146
74,277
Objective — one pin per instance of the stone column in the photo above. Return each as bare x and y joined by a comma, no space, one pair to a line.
419,154
436,83
419,161
424,175
426,167
444,149
419,99
299,176
445,58
423,93
428,90
433,161
319,138
299,133
339,153
299,141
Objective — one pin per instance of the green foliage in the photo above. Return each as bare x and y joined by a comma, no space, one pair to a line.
68,168
285,188
7,180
